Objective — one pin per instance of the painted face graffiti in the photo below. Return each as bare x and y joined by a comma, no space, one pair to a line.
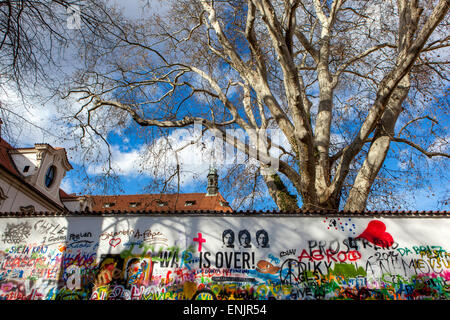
138,271
244,239
228,238
262,237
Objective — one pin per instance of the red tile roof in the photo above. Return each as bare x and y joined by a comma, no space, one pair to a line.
161,202
5,159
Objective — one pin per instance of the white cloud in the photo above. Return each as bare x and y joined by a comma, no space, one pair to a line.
152,161
125,163
183,147
29,122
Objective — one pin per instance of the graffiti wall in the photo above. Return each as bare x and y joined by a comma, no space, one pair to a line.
224,258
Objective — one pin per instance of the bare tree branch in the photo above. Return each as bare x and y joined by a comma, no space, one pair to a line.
419,148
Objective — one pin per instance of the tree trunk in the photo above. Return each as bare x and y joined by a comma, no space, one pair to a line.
408,20
278,191
379,148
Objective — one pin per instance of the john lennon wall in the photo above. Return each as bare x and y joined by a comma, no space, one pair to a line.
205,257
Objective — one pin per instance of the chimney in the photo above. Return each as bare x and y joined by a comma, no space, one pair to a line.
213,182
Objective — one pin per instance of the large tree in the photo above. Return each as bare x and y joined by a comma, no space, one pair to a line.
341,80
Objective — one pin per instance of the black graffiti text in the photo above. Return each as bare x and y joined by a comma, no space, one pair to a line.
228,260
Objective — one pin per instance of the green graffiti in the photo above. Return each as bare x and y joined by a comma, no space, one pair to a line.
347,270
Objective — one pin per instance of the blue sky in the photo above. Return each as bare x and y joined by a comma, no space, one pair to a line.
128,145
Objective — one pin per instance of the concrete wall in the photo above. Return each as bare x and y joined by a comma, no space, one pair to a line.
17,197
201,257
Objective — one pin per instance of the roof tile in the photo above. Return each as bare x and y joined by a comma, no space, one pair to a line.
160,202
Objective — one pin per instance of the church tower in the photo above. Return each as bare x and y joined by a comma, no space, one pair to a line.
213,182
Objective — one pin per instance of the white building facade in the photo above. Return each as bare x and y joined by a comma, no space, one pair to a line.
30,180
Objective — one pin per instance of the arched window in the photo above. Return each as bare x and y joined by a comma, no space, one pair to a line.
50,176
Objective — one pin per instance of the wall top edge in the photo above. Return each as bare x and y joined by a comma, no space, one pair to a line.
203,213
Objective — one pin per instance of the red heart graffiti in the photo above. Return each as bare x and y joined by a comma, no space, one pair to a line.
376,233
114,242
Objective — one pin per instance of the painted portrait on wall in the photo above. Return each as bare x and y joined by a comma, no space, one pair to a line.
228,238
262,238
138,271
244,239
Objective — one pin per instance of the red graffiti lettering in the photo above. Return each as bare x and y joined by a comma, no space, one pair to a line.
330,256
